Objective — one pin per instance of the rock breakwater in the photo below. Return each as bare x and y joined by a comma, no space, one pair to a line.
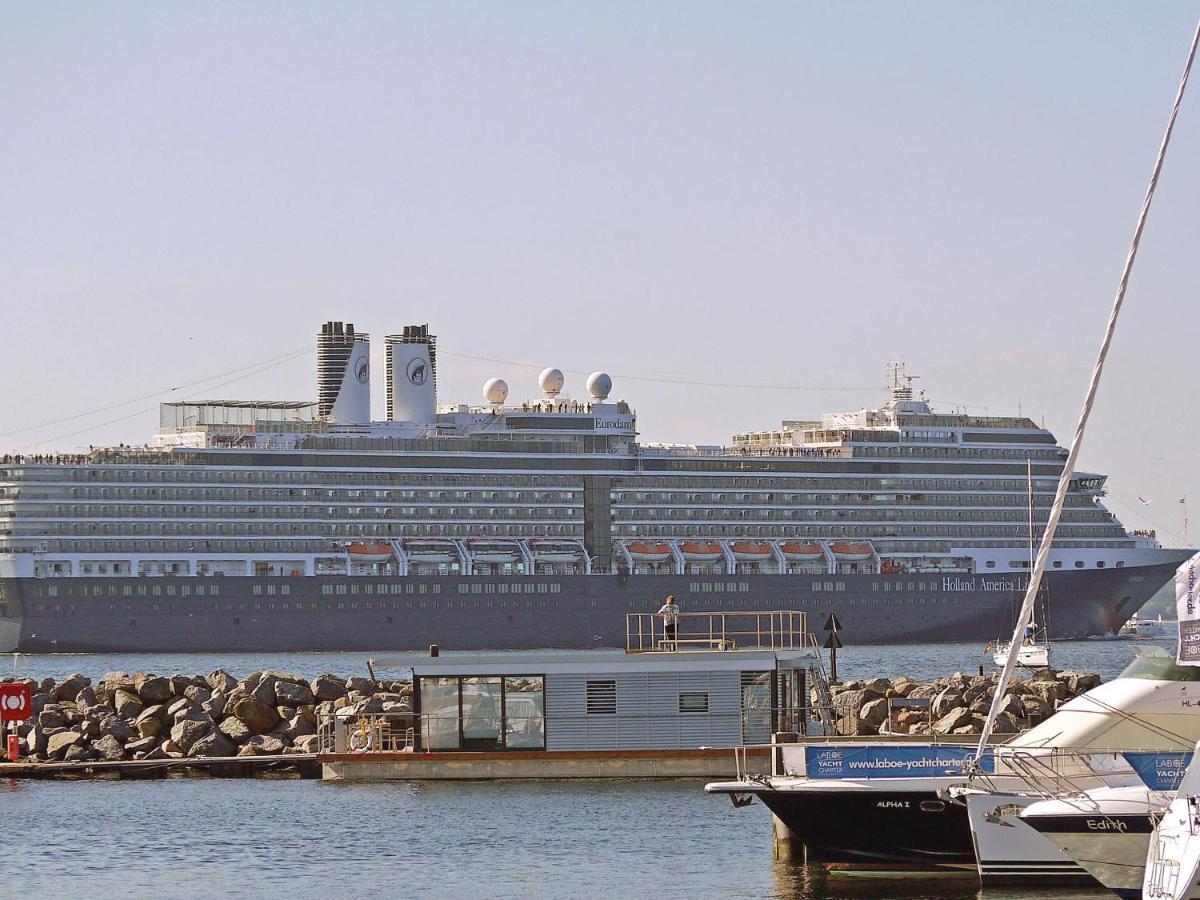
954,704
149,717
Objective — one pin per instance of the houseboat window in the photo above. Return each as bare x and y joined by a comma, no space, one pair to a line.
756,707
525,713
439,713
693,701
481,713
602,698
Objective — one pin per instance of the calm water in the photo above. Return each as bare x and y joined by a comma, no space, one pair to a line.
915,660
302,839
299,839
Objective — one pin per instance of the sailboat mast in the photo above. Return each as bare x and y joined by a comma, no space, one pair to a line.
1068,469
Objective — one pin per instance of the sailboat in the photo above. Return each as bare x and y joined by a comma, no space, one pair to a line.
1034,652
1173,858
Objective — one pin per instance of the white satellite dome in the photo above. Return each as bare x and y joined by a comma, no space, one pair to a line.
495,391
599,385
551,381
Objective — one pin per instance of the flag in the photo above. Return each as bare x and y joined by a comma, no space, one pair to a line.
1187,605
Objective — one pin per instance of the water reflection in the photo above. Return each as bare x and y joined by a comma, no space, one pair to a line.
796,881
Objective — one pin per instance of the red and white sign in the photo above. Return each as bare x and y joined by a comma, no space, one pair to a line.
16,703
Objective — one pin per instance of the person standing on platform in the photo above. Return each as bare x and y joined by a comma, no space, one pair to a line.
670,617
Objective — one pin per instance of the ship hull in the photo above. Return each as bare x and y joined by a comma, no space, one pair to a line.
571,611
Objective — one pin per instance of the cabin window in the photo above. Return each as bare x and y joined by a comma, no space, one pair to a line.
693,701
602,698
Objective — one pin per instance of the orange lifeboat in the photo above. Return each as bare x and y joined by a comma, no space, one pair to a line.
701,550
801,552
643,550
750,552
369,553
852,551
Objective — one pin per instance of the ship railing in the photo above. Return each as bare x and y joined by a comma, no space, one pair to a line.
718,631
1054,772
408,732
391,732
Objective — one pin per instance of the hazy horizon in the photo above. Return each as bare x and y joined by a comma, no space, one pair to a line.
772,194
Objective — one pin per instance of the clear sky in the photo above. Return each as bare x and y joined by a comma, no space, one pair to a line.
779,194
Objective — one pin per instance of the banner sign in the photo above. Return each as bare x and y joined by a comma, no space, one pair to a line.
889,761
1187,605
1160,771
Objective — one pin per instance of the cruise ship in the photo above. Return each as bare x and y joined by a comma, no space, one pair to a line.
303,525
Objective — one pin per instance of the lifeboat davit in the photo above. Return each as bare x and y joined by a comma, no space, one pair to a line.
369,553
431,551
642,550
751,552
801,552
552,551
701,550
851,551
493,551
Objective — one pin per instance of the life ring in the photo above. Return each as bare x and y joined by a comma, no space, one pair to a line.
362,740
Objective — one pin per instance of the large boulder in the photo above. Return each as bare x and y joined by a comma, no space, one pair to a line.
328,687
222,681
874,711
197,693
235,729
297,727
187,732
109,748
36,740
152,688
86,697
1081,682
1036,708
149,722
924,692
265,689
79,753
948,700
266,744
363,685
847,708
956,718
213,744
215,705
310,743
260,717
141,745
182,705
170,750
291,693
69,688
52,717
59,743
127,704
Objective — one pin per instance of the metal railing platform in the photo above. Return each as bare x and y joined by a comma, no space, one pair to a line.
719,632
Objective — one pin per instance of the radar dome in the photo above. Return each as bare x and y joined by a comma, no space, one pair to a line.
599,385
495,391
551,381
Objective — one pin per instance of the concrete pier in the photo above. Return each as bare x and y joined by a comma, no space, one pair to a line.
447,766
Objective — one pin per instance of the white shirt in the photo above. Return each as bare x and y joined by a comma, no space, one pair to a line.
670,613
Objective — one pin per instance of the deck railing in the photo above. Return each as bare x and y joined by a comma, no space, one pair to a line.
718,631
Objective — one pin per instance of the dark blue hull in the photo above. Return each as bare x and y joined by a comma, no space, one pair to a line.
518,612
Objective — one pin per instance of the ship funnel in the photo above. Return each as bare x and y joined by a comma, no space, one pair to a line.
343,374
412,375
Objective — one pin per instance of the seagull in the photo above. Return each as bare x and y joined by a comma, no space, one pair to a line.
1144,500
